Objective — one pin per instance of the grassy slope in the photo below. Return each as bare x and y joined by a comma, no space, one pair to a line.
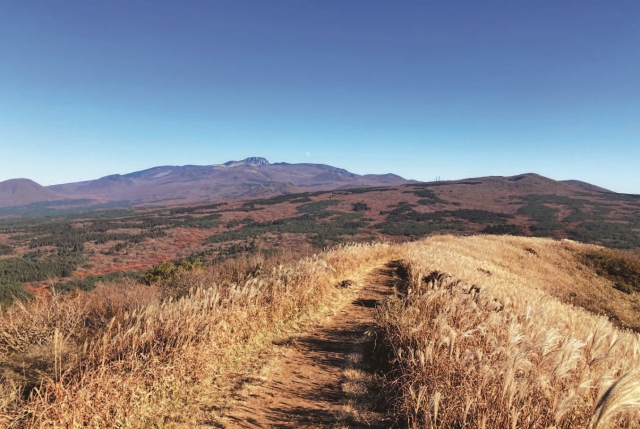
483,335
494,335
119,356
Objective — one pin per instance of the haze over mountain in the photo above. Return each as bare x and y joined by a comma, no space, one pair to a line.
251,177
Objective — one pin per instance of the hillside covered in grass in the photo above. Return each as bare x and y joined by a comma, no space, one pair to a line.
512,332
480,331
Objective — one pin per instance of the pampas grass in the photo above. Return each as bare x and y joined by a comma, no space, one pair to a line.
124,356
485,331
478,339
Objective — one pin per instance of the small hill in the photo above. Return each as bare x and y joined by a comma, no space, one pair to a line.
519,184
20,192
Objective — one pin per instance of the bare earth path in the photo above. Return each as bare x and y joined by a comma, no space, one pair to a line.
318,379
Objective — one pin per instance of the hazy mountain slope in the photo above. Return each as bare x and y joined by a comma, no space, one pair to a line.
19,192
234,179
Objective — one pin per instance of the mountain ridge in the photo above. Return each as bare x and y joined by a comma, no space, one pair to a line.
248,178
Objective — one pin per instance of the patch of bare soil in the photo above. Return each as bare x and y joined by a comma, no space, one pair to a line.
319,379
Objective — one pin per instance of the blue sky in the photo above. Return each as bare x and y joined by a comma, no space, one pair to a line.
433,88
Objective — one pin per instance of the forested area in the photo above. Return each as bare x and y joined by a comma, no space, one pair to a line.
59,245
33,267
593,222
322,226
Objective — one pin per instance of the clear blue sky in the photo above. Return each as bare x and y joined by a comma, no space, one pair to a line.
422,89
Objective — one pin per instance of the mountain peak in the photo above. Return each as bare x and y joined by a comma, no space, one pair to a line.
254,160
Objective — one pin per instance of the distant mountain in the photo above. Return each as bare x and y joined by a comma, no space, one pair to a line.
254,160
21,192
251,177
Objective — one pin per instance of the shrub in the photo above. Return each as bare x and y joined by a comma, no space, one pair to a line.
428,197
621,269
167,270
316,207
623,288
503,230
480,216
360,207
10,291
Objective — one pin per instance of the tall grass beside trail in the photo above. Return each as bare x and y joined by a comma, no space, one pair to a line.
130,355
476,338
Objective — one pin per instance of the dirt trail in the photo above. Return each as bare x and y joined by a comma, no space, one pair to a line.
318,379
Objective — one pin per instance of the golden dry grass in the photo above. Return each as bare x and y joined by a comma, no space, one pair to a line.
122,357
480,337
486,332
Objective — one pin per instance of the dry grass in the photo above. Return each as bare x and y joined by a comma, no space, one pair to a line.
123,357
479,338
487,332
